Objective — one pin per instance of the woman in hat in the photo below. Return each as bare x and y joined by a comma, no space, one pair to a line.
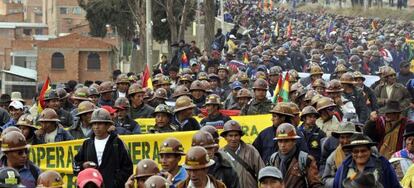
363,160
335,159
404,158
387,129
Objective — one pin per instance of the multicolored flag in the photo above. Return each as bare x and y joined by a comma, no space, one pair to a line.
284,92
246,58
41,99
184,61
146,78
277,89
330,27
289,29
374,25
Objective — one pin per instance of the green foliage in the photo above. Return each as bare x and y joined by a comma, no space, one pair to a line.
160,30
116,13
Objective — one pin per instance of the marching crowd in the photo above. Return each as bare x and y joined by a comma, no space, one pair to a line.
333,131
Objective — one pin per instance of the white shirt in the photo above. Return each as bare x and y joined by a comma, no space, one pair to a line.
100,147
85,130
388,89
50,137
120,94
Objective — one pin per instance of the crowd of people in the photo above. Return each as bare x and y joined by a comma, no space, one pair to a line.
332,131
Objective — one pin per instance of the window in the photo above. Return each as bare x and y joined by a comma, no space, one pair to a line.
58,61
39,31
94,61
27,32
77,11
64,10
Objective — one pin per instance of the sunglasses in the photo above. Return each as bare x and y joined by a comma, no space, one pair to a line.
330,108
23,151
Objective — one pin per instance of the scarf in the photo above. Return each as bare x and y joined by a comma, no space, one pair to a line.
339,156
285,160
390,142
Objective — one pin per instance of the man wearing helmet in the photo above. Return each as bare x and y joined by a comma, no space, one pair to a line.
171,151
104,151
50,178
197,163
52,101
138,108
81,127
107,94
10,177
16,156
122,118
245,158
392,90
215,117
51,130
222,169
183,114
163,120
298,167
122,85
260,104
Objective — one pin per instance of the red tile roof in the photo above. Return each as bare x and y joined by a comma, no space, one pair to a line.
76,40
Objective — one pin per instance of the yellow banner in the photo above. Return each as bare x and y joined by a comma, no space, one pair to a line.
59,156
411,43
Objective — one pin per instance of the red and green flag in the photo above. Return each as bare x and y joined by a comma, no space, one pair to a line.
41,104
277,89
284,92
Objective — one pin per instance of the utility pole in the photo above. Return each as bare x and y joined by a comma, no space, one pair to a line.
222,14
148,45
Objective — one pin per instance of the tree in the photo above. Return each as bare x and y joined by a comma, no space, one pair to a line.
209,12
100,13
179,14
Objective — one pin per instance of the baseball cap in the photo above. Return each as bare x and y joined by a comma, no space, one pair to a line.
89,175
270,171
236,85
109,109
193,61
16,105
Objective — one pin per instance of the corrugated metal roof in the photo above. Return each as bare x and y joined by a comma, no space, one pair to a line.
23,72
11,25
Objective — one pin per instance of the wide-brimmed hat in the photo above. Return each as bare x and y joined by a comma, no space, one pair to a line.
5,98
344,128
17,96
359,139
362,180
391,106
409,129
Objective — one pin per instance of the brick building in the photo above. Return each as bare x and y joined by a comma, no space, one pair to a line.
11,11
75,57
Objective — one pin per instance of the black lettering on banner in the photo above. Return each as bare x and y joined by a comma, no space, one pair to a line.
145,150
70,157
50,156
155,154
254,131
69,179
40,155
59,157
245,130
134,150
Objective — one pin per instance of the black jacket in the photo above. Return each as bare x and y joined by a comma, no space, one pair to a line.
223,171
189,124
116,166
